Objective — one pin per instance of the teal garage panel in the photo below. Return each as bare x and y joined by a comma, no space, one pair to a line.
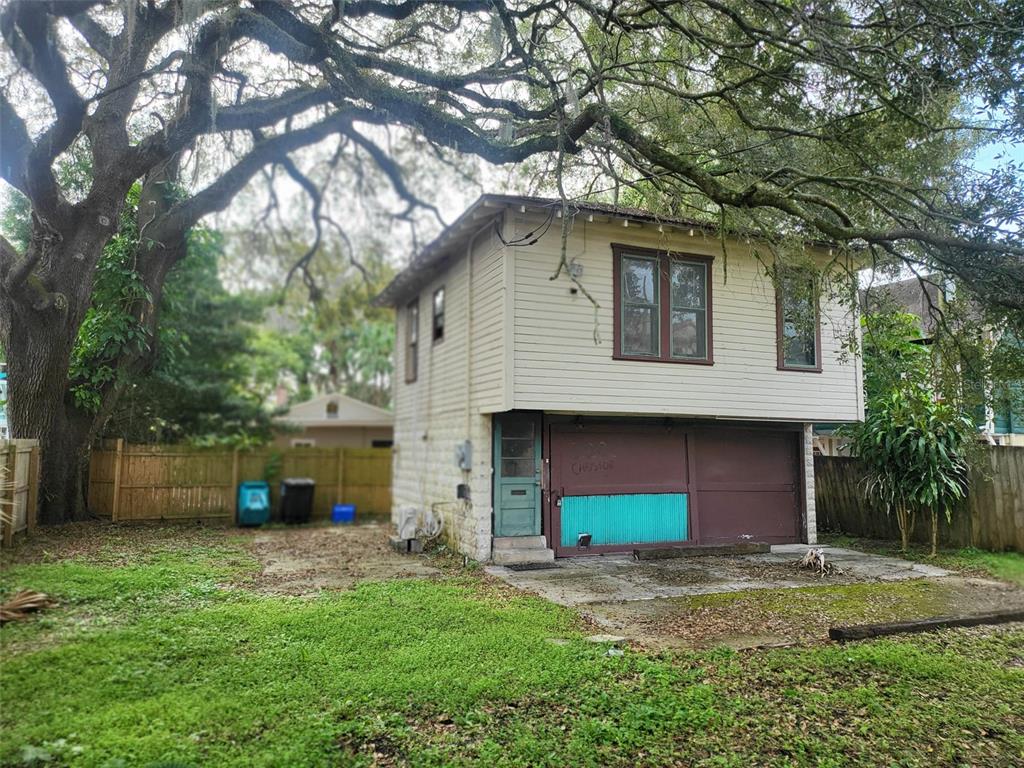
632,518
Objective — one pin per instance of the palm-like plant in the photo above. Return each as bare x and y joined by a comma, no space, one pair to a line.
913,448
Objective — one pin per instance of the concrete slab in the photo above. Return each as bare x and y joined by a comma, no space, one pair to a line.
611,578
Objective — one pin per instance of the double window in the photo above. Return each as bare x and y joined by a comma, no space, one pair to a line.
797,323
663,306
412,338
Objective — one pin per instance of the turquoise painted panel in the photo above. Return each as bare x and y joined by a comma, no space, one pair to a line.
631,518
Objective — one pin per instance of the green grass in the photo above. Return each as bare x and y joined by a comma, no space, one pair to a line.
1006,566
838,603
457,671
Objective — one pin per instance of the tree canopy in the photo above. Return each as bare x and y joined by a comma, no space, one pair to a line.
840,121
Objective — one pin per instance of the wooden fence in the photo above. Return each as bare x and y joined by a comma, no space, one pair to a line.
991,518
145,482
19,487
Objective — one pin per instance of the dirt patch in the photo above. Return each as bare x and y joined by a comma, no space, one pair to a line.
113,544
301,561
766,617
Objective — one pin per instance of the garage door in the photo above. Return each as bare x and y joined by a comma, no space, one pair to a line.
746,484
620,486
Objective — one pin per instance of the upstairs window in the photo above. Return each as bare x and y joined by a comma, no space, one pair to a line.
438,320
663,306
412,338
332,409
797,322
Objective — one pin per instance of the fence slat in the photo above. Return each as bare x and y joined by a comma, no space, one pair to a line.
992,517
169,482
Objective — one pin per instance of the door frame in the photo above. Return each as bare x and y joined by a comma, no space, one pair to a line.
539,466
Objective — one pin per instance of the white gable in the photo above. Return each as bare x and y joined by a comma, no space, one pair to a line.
337,409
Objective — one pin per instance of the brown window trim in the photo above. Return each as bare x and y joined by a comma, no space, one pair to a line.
664,291
780,351
412,348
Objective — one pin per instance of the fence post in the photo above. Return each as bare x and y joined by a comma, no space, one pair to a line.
32,509
117,480
340,491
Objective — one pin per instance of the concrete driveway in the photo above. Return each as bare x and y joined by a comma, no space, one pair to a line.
600,579
753,600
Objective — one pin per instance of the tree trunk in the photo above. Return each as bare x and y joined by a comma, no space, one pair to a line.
905,520
39,407
935,532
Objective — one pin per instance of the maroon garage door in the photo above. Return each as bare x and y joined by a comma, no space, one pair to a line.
642,484
746,485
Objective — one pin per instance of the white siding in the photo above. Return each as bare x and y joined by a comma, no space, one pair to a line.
559,367
458,383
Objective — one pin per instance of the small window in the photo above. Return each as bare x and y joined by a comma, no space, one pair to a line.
303,442
438,321
663,306
381,443
797,321
332,409
412,338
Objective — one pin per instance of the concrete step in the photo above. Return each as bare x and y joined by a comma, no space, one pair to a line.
529,555
520,542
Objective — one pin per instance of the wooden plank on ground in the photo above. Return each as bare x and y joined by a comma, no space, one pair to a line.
865,631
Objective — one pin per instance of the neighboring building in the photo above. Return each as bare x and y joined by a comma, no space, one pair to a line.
679,411
332,421
1002,422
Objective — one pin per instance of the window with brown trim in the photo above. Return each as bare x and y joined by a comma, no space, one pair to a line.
662,306
437,321
412,338
798,325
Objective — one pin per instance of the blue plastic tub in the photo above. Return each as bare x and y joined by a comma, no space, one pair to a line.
343,513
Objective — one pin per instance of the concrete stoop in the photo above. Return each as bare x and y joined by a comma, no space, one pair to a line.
508,550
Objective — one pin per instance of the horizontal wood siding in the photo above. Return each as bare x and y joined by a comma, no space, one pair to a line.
992,518
558,366
460,380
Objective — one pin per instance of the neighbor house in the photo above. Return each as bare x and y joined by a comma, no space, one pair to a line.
1001,421
333,421
675,407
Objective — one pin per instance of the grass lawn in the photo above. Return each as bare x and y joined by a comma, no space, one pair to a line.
1006,566
163,653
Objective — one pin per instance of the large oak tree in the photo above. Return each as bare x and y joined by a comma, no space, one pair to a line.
839,120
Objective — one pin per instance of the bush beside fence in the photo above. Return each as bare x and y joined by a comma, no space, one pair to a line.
992,517
145,482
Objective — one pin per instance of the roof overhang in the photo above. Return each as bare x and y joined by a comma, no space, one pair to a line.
431,260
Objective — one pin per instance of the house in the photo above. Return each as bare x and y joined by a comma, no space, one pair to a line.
332,421
1001,421
674,408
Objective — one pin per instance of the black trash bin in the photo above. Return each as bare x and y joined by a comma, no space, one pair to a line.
296,500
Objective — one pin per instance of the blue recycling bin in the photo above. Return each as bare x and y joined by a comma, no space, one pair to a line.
253,503
343,513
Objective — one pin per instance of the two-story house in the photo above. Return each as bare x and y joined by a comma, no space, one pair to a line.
666,398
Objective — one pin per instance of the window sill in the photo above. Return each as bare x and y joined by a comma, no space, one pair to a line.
674,360
798,369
